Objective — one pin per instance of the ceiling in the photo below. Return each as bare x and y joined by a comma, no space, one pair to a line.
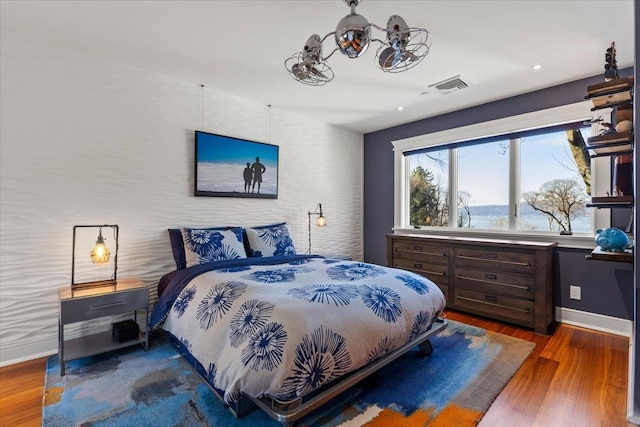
239,47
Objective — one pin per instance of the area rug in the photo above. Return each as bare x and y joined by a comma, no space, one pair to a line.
455,385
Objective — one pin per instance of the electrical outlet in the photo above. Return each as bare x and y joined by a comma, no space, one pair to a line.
575,292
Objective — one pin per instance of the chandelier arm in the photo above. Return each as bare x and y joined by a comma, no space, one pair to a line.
371,24
325,37
329,56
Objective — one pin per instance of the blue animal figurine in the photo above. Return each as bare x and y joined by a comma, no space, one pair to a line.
611,239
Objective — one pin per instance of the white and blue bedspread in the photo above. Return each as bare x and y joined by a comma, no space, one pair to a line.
285,329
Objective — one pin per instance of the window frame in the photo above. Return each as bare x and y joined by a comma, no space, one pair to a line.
600,172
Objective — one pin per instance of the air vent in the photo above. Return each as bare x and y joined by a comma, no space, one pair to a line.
450,85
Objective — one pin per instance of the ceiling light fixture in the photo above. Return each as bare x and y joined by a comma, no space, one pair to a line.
403,48
537,67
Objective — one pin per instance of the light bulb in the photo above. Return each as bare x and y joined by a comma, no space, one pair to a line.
100,253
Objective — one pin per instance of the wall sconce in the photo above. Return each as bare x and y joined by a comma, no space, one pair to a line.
100,254
320,222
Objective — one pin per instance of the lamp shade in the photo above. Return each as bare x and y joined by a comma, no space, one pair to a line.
321,221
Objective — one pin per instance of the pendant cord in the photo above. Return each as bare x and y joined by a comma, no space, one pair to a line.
269,123
202,107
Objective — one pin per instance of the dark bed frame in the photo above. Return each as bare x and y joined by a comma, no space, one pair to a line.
290,411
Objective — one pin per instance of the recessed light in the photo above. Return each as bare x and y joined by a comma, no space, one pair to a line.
400,108
536,67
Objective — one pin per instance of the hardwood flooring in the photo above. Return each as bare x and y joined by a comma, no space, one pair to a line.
575,377
21,389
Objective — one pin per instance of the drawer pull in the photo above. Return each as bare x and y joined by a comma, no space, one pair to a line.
491,298
523,310
113,304
473,258
491,255
423,272
417,265
491,276
508,285
435,273
417,248
439,254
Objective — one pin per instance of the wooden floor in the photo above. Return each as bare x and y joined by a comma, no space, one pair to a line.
576,377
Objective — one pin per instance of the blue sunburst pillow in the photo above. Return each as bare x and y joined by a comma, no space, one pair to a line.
205,245
270,240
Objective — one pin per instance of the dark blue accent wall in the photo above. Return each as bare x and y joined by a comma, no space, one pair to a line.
635,379
607,288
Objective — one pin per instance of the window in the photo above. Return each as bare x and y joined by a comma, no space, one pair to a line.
553,187
429,189
483,186
521,175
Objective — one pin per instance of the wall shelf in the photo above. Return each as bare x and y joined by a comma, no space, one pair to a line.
611,202
599,254
611,144
610,94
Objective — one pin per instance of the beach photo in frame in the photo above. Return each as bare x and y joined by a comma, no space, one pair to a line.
231,167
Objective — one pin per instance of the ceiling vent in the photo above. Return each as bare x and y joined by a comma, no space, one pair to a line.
450,85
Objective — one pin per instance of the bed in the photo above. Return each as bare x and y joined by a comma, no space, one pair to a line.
287,332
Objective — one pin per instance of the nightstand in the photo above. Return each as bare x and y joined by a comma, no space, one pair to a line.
126,296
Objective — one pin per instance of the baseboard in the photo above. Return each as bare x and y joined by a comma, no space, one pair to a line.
31,351
598,322
634,418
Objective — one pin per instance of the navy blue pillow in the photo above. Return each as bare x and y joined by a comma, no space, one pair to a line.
177,248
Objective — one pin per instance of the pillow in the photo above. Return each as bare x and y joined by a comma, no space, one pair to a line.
270,240
205,245
177,248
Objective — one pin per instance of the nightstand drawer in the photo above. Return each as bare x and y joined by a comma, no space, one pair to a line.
79,309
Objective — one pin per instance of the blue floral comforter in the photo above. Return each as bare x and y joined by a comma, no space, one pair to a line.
285,329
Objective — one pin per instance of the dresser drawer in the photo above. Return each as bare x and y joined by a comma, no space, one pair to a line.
79,309
491,259
496,282
495,306
422,252
437,273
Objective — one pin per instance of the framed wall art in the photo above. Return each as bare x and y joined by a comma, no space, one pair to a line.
231,167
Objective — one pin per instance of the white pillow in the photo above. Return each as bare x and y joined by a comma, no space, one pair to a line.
270,240
205,245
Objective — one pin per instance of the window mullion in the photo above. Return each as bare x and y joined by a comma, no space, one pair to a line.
514,184
453,188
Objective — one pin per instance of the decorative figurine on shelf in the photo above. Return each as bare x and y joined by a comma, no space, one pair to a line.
611,239
610,65
624,126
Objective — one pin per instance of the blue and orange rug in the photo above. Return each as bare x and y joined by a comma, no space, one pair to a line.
468,368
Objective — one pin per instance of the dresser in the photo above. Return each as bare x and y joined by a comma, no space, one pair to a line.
506,280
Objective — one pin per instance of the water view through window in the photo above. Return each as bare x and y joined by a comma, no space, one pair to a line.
550,177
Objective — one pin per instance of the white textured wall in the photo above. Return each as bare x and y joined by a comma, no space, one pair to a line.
88,141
